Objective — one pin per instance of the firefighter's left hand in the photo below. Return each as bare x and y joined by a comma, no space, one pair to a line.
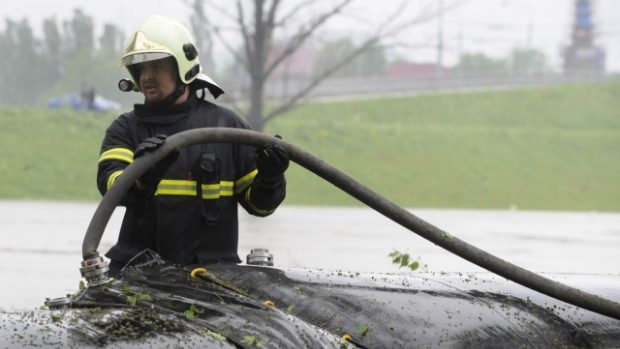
271,161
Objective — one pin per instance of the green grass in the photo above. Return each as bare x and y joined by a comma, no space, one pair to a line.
50,154
555,148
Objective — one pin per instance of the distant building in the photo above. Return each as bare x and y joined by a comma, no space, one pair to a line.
413,70
297,65
582,56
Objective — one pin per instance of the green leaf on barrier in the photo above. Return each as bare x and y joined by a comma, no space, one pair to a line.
362,330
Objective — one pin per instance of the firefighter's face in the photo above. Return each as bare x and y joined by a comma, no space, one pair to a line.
157,79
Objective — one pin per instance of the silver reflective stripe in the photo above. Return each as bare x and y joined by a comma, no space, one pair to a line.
143,57
214,191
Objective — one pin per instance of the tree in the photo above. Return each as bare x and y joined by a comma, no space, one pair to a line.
527,62
35,69
80,33
202,36
20,62
257,23
478,64
52,50
111,41
90,66
7,59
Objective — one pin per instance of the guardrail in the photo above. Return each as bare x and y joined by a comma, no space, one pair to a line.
344,88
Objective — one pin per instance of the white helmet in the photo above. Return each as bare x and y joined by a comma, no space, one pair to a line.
160,37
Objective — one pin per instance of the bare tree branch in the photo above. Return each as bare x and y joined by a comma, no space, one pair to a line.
259,52
383,32
217,30
269,24
222,10
258,34
292,13
244,32
238,56
272,13
202,35
292,102
301,37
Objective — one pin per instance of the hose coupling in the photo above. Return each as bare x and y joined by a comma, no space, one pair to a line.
260,256
95,271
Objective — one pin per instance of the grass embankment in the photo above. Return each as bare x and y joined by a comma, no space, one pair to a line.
50,154
555,148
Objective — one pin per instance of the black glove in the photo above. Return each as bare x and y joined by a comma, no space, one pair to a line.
271,162
150,179
149,144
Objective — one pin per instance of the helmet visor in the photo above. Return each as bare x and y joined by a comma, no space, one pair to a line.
141,57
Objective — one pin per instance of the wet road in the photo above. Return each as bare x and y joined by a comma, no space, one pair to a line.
40,248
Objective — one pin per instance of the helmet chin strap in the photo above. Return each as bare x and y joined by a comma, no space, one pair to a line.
169,101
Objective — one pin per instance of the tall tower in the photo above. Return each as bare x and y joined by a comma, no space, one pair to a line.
581,56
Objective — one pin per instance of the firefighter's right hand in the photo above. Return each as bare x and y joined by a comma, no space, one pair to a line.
150,179
149,144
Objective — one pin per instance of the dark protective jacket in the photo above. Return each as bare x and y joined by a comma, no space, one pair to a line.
192,215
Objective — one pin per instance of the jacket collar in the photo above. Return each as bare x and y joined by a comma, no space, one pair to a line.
170,115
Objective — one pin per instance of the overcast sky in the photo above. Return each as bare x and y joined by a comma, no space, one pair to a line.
489,26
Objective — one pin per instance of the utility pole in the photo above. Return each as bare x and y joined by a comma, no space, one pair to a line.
439,64
529,71
460,48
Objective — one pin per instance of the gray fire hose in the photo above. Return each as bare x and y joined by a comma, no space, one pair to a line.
396,213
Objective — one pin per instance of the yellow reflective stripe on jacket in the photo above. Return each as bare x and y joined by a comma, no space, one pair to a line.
112,178
176,187
245,181
122,154
214,191
209,191
256,209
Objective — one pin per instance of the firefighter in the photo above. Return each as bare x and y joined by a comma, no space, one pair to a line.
185,207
